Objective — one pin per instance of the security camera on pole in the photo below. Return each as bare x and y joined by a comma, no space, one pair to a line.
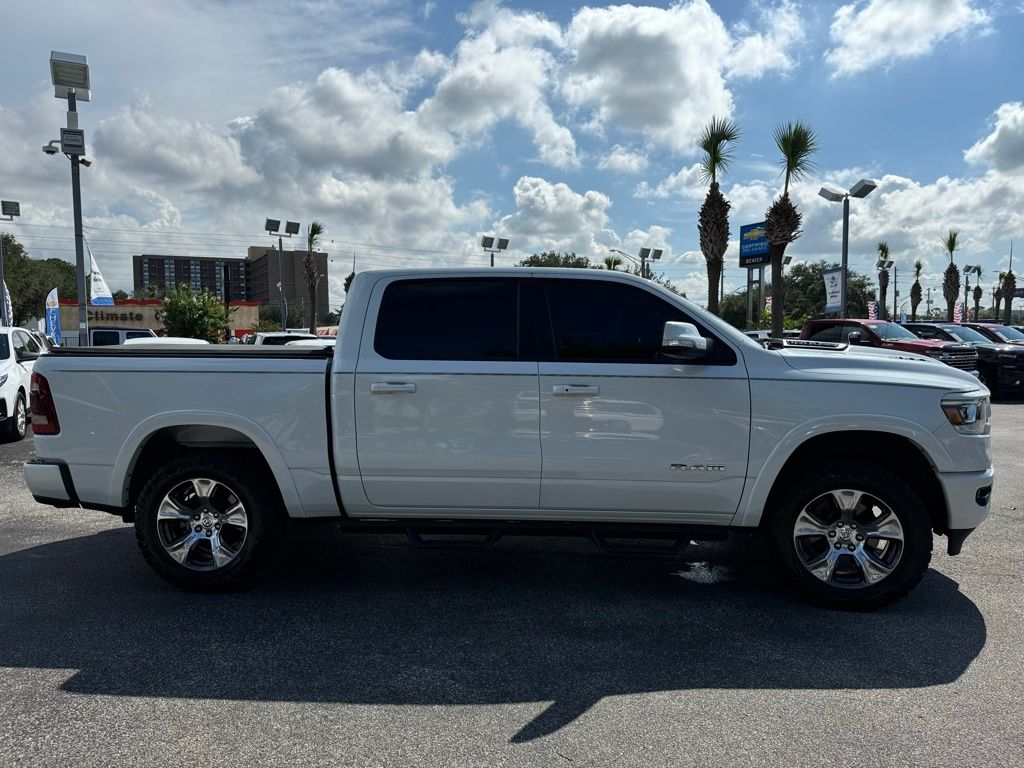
69,73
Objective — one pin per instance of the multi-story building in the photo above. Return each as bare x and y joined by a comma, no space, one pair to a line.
164,273
264,272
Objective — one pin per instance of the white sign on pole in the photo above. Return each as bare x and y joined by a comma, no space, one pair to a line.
833,289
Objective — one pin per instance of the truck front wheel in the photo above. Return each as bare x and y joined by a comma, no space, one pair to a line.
202,521
853,534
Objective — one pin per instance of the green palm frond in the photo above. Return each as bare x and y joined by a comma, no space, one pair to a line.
714,141
918,268
883,250
314,232
951,242
797,142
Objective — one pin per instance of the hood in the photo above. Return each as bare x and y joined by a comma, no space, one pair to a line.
998,348
888,366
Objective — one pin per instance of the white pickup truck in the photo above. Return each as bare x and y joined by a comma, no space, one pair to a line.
502,401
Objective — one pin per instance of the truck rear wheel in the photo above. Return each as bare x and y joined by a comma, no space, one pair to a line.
853,534
202,521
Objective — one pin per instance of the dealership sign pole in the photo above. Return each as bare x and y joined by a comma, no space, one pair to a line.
755,252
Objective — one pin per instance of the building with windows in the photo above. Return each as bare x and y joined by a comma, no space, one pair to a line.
164,273
265,272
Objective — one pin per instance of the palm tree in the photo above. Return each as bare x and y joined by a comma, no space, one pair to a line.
883,279
310,272
1009,286
612,262
713,223
915,291
951,277
978,293
796,143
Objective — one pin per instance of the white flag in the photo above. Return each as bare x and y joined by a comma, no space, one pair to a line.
7,301
99,293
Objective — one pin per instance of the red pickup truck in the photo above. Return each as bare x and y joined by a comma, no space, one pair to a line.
886,335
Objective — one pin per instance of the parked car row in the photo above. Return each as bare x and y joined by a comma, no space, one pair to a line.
19,348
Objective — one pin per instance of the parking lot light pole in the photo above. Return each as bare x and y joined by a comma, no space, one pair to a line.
493,245
69,73
862,188
641,259
273,226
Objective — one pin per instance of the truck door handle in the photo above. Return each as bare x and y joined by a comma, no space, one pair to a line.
563,390
391,387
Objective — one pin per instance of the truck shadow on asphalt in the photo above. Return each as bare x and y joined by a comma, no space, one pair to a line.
370,620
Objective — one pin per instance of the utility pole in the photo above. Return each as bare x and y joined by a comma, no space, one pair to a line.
895,296
929,304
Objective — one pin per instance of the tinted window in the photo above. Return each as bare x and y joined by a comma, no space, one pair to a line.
137,335
827,332
890,331
5,347
30,343
930,332
967,334
596,320
105,338
458,319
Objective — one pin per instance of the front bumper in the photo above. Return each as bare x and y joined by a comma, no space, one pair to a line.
968,499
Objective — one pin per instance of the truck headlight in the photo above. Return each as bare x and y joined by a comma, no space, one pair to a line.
968,415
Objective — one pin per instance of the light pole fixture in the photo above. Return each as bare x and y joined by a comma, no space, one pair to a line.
642,258
9,209
862,188
968,271
291,228
69,73
493,245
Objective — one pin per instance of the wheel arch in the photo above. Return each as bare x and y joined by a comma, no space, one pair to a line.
902,455
161,438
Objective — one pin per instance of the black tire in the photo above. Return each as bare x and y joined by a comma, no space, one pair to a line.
11,431
233,479
879,485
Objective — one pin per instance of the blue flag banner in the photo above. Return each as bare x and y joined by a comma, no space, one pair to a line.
99,293
53,316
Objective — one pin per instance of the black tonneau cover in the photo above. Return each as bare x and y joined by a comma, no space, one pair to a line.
248,351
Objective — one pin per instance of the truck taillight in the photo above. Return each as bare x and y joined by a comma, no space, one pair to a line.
44,414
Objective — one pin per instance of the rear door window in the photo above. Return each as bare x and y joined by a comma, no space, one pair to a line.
449,319
105,338
827,332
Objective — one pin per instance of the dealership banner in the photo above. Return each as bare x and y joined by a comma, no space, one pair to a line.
99,293
833,289
7,300
53,316
958,312
872,310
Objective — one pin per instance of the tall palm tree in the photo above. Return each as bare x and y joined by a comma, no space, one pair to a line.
1009,286
998,295
612,262
978,293
796,142
883,279
915,291
310,273
951,277
713,223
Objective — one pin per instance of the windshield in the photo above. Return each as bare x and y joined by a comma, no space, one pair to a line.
888,331
965,334
1007,333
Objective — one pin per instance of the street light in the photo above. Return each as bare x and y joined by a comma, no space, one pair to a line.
862,188
644,255
9,209
492,245
69,73
273,226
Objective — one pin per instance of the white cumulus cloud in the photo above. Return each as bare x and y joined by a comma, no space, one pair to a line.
623,160
1003,149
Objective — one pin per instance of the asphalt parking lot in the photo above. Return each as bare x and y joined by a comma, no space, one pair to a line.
364,651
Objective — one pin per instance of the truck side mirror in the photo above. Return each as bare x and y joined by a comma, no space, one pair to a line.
24,356
683,341
855,337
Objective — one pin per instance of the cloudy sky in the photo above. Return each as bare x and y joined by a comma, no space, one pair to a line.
410,128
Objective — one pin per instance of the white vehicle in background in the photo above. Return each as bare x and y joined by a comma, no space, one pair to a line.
163,341
110,337
18,352
321,342
280,338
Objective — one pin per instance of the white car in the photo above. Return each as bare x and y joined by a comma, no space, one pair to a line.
321,342
280,338
163,341
503,400
18,352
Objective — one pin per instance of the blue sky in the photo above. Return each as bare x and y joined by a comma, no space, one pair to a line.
419,126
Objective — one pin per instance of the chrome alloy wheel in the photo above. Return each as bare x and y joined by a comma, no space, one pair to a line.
202,524
848,538
21,417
